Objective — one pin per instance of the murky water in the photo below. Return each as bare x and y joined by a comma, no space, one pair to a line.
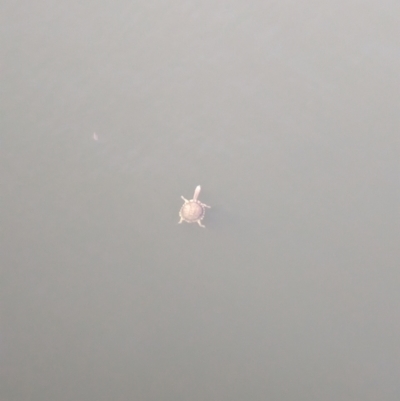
286,114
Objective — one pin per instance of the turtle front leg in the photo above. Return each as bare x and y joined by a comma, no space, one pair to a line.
184,199
180,221
199,223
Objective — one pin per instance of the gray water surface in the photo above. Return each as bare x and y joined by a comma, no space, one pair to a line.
286,113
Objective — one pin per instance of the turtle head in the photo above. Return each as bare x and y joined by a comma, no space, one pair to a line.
196,192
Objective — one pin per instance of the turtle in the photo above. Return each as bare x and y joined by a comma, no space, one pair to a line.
193,211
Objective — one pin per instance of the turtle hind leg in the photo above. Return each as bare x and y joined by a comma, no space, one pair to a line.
199,223
180,221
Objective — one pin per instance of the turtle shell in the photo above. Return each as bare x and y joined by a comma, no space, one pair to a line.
192,211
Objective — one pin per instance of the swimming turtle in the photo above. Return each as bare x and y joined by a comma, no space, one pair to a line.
193,211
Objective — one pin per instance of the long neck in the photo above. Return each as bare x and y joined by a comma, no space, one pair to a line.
196,192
